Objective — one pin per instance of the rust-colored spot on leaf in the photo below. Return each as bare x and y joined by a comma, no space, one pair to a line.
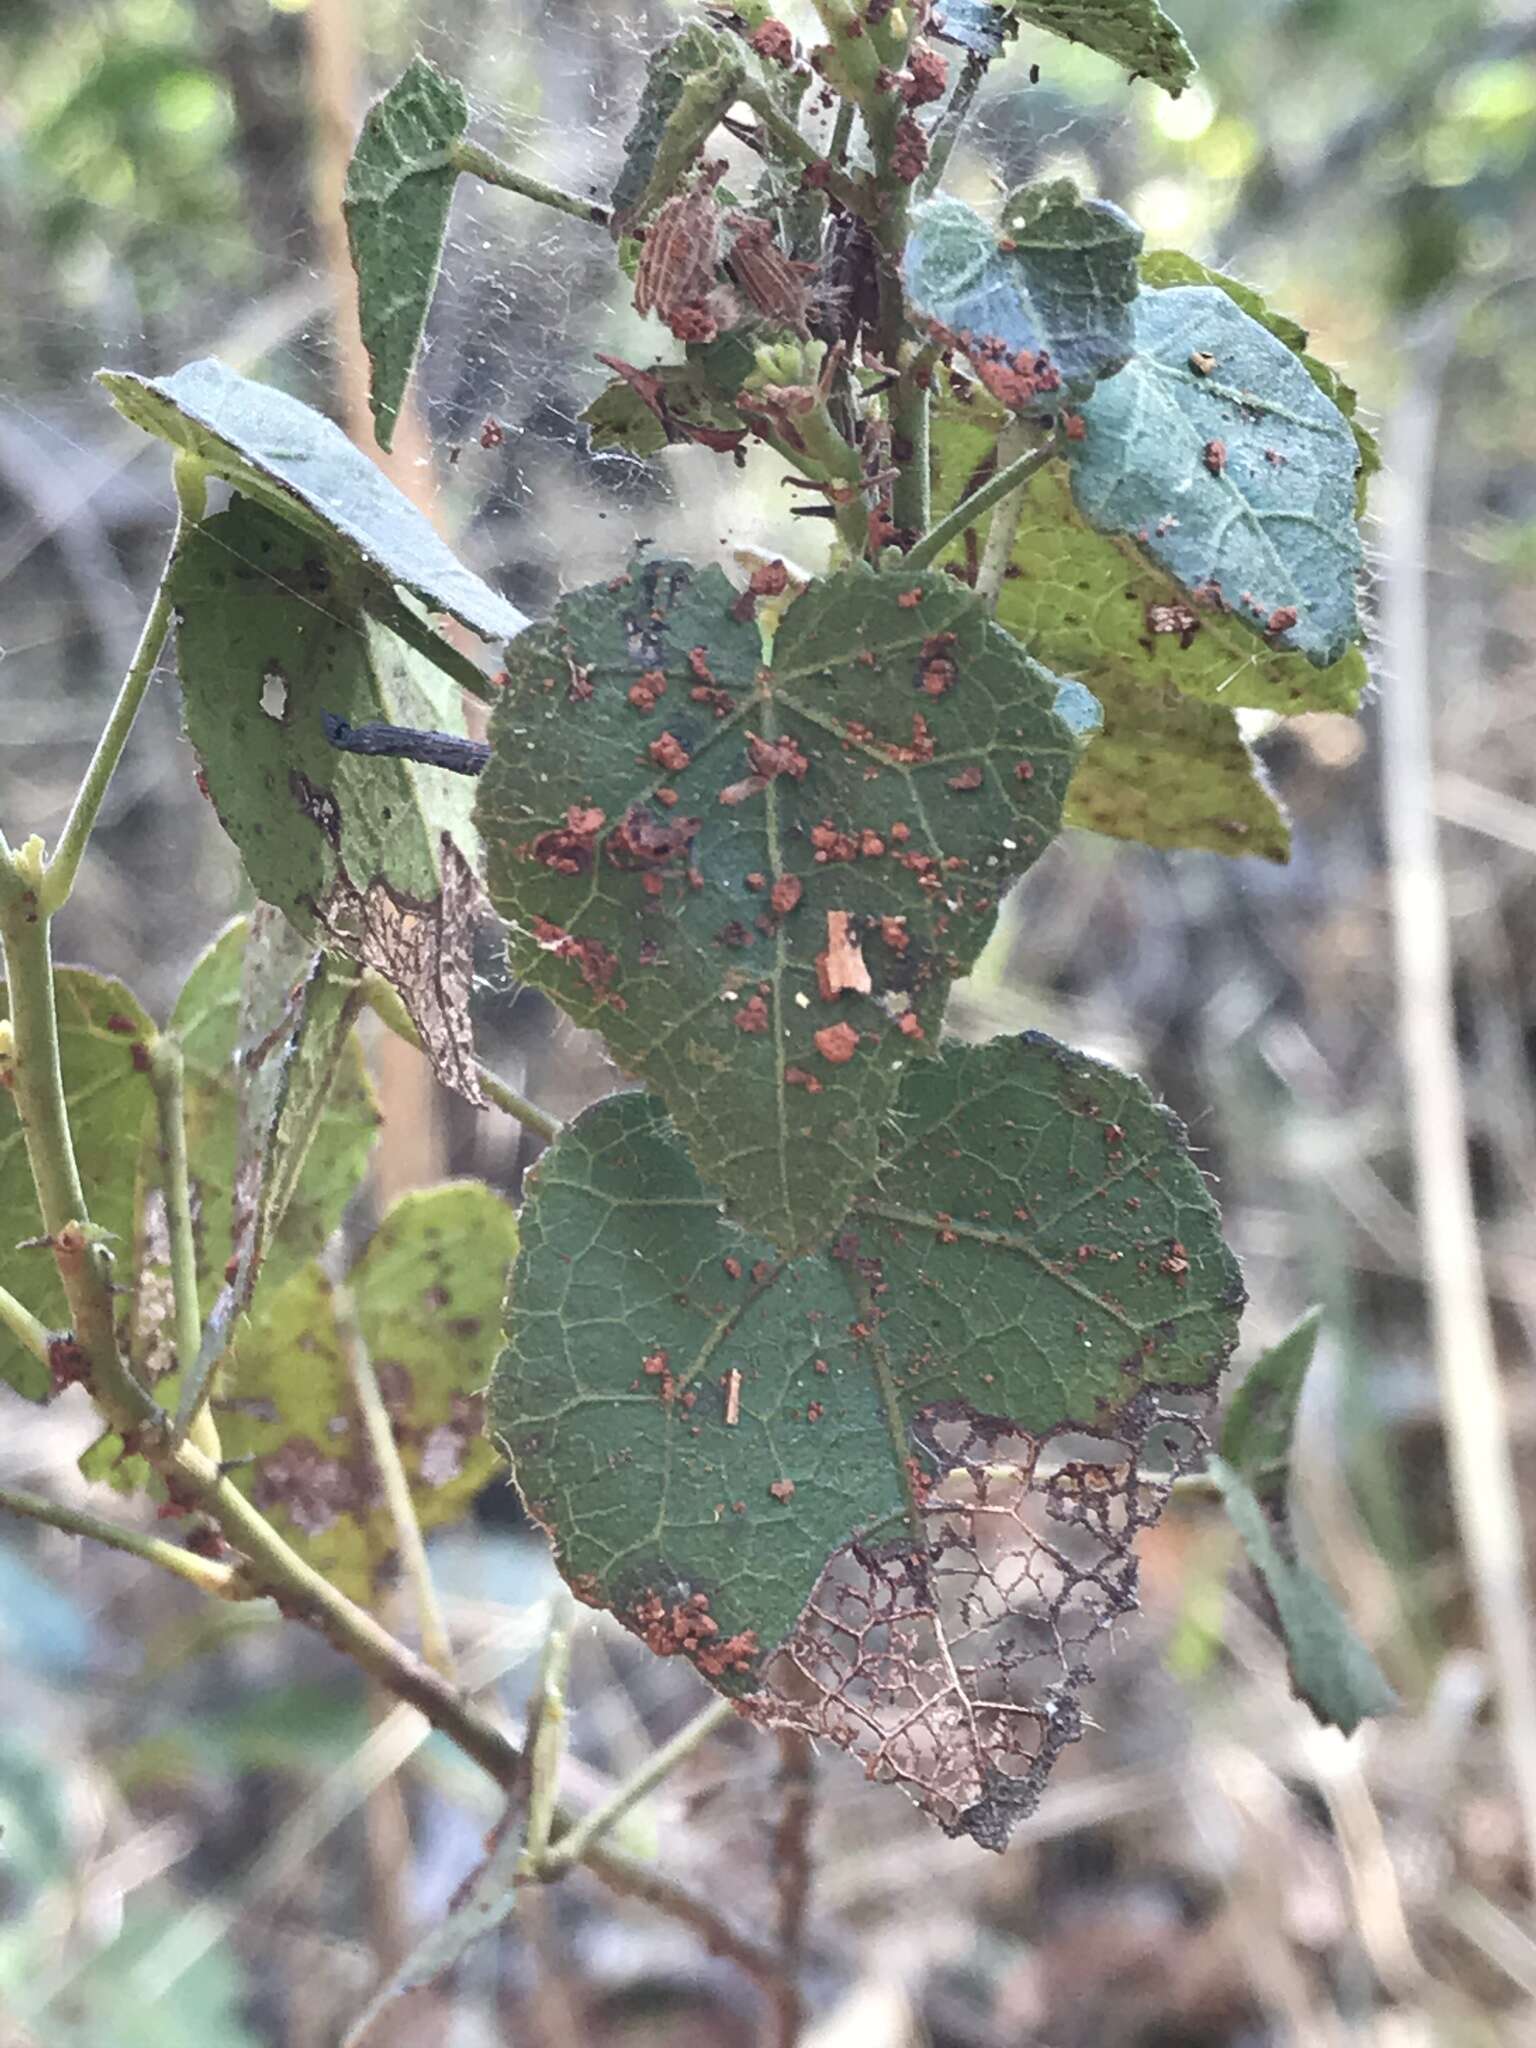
837,1044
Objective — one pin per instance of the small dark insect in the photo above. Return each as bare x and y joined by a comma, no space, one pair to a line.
408,743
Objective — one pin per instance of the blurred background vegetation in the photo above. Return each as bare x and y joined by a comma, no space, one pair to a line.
212,1835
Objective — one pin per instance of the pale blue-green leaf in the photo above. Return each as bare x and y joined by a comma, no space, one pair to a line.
1042,303
1215,452
275,448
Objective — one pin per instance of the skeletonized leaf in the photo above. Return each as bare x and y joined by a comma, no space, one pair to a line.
1135,33
1161,268
399,188
1040,304
758,881
1217,454
888,1490
103,1040
371,857
1331,1669
427,1290
299,464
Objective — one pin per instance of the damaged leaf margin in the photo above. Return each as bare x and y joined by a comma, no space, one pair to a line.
371,857
887,1491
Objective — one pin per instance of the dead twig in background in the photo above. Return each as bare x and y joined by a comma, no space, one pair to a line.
1472,1398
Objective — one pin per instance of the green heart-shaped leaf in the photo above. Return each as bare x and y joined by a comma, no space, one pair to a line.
758,880
888,1489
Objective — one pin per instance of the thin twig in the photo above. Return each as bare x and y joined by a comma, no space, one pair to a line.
1471,1393
576,1844
59,879
470,158
389,1010
544,1749
792,1873
436,1644
194,1480
206,1573
167,1076
949,528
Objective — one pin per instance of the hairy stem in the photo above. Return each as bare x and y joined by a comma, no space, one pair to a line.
390,1011
572,1847
222,1580
1013,444
545,1747
436,1644
997,487
167,1078
469,158
59,878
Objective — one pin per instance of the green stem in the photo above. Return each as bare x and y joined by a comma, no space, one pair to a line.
390,1011
192,1479
167,1076
946,134
436,1644
573,1846
29,1333
222,1580
908,399
471,159
997,487
545,1747
59,877
1012,443
37,1088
